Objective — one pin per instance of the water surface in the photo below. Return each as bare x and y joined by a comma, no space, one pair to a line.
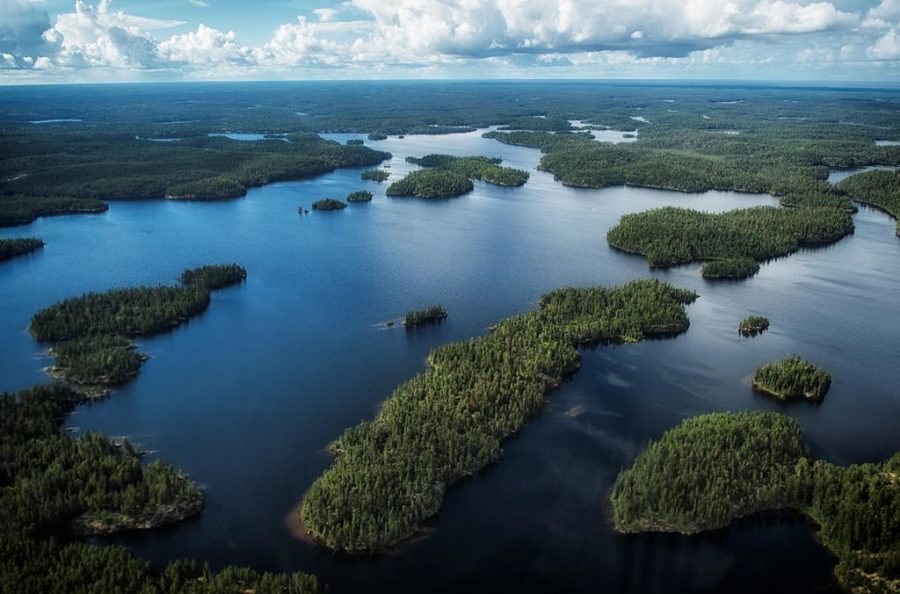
246,397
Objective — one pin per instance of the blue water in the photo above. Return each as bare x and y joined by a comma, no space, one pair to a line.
246,397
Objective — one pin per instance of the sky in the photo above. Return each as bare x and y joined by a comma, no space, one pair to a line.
60,41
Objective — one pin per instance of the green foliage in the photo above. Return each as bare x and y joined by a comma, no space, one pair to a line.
53,486
10,248
92,330
753,325
708,471
668,236
740,267
481,168
418,317
431,183
792,377
328,204
877,188
20,210
378,175
97,360
377,136
443,425
359,196
715,468
128,312
214,276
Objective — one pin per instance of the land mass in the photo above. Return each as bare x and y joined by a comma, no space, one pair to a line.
792,377
10,248
391,473
715,468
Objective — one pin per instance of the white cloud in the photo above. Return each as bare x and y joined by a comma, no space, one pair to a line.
205,46
429,35
887,47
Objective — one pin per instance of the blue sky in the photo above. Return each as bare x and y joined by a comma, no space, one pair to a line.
143,40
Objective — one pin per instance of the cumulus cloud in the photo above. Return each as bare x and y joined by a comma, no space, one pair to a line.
205,46
375,34
95,35
887,47
22,26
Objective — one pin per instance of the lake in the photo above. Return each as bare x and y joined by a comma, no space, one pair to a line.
246,397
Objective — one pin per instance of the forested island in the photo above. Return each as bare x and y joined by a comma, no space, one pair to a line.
359,196
730,268
753,325
792,377
715,468
377,136
880,189
91,333
480,168
669,236
431,183
378,175
446,424
328,204
21,210
56,487
417,317
10,248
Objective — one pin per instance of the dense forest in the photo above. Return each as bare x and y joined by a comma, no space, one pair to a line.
91,332
447,423
753,325
64,166
359,196
712,469
736,268
417,317
670,235
431,183
214,276
481,168
328,204
21,210
792,377
10,248
378,175
54,487
876,188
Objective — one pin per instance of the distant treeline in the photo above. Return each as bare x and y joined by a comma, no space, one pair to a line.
877,188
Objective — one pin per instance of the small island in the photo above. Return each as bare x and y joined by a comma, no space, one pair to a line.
328,204
753,325
434,313
431,183
377,136
713,469
732,241
792,377
391,473
481,168
730,268
10,248
378,175
214,276
359,196
91,333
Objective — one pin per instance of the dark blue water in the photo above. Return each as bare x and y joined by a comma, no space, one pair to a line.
246,396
